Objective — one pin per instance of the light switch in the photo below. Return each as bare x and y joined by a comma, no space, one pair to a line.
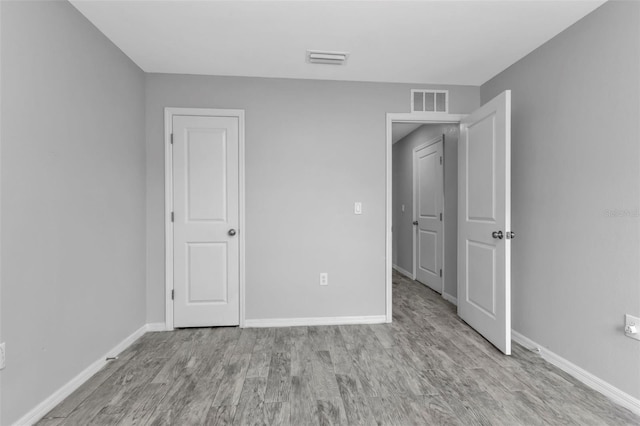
358,208
403,208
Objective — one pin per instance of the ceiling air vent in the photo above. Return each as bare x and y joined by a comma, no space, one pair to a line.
324,57
429,100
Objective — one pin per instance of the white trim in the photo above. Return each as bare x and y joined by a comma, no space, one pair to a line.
450,298
297,322
439,139
415,117
168,226
404,272
39,411
156,326
1,340
169,112
613,393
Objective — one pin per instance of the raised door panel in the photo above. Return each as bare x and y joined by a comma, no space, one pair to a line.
207,278
206,174
428,184
428,253
481,277
481,179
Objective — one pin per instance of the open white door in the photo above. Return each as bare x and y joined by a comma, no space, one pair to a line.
484,221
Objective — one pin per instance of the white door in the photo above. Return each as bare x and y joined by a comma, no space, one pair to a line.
206,217
484,221
428,194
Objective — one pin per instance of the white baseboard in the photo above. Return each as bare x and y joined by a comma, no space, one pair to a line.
58,396
404,272
156,326
616,395
450,298
296,322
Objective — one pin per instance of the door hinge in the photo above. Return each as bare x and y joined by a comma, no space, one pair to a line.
440,217
440,160
171,216
440,272
172,294
171,138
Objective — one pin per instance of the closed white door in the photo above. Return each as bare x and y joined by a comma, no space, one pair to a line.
206,217
428,194
484,221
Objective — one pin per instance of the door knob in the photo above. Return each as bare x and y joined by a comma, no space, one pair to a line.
510,235
497,234
232,232
415,222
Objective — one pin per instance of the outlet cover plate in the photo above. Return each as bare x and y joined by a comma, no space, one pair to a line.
324,278
631,320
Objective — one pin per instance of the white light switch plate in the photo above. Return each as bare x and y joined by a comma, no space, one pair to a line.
357,209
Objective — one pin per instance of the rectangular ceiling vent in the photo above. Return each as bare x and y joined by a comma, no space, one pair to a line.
325,57
429,100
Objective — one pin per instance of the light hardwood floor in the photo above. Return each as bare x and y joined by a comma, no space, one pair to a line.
427,367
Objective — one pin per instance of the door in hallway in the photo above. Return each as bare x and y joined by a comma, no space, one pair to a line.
428,201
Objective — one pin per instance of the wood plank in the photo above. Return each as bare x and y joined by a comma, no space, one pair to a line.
279,379
231,381
356,406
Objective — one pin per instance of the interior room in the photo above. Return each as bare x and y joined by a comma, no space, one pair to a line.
319,212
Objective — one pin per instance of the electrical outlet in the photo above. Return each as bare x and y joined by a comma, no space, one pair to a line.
632,327
324,278
2,356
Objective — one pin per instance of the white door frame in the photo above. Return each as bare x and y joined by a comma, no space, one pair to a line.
415,194
169,113
411,117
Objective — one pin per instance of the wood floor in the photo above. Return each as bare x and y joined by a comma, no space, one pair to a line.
425,368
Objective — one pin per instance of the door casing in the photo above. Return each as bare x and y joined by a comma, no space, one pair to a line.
169,113
412,117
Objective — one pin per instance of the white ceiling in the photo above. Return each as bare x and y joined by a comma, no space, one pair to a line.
444,42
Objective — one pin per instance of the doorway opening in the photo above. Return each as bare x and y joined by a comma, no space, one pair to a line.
405,133
424,203
483,233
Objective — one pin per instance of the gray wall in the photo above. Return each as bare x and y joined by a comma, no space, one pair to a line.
313,148
403,228
73,199
575,159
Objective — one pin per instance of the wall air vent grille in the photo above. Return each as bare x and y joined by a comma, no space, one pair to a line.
429,100
325,57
